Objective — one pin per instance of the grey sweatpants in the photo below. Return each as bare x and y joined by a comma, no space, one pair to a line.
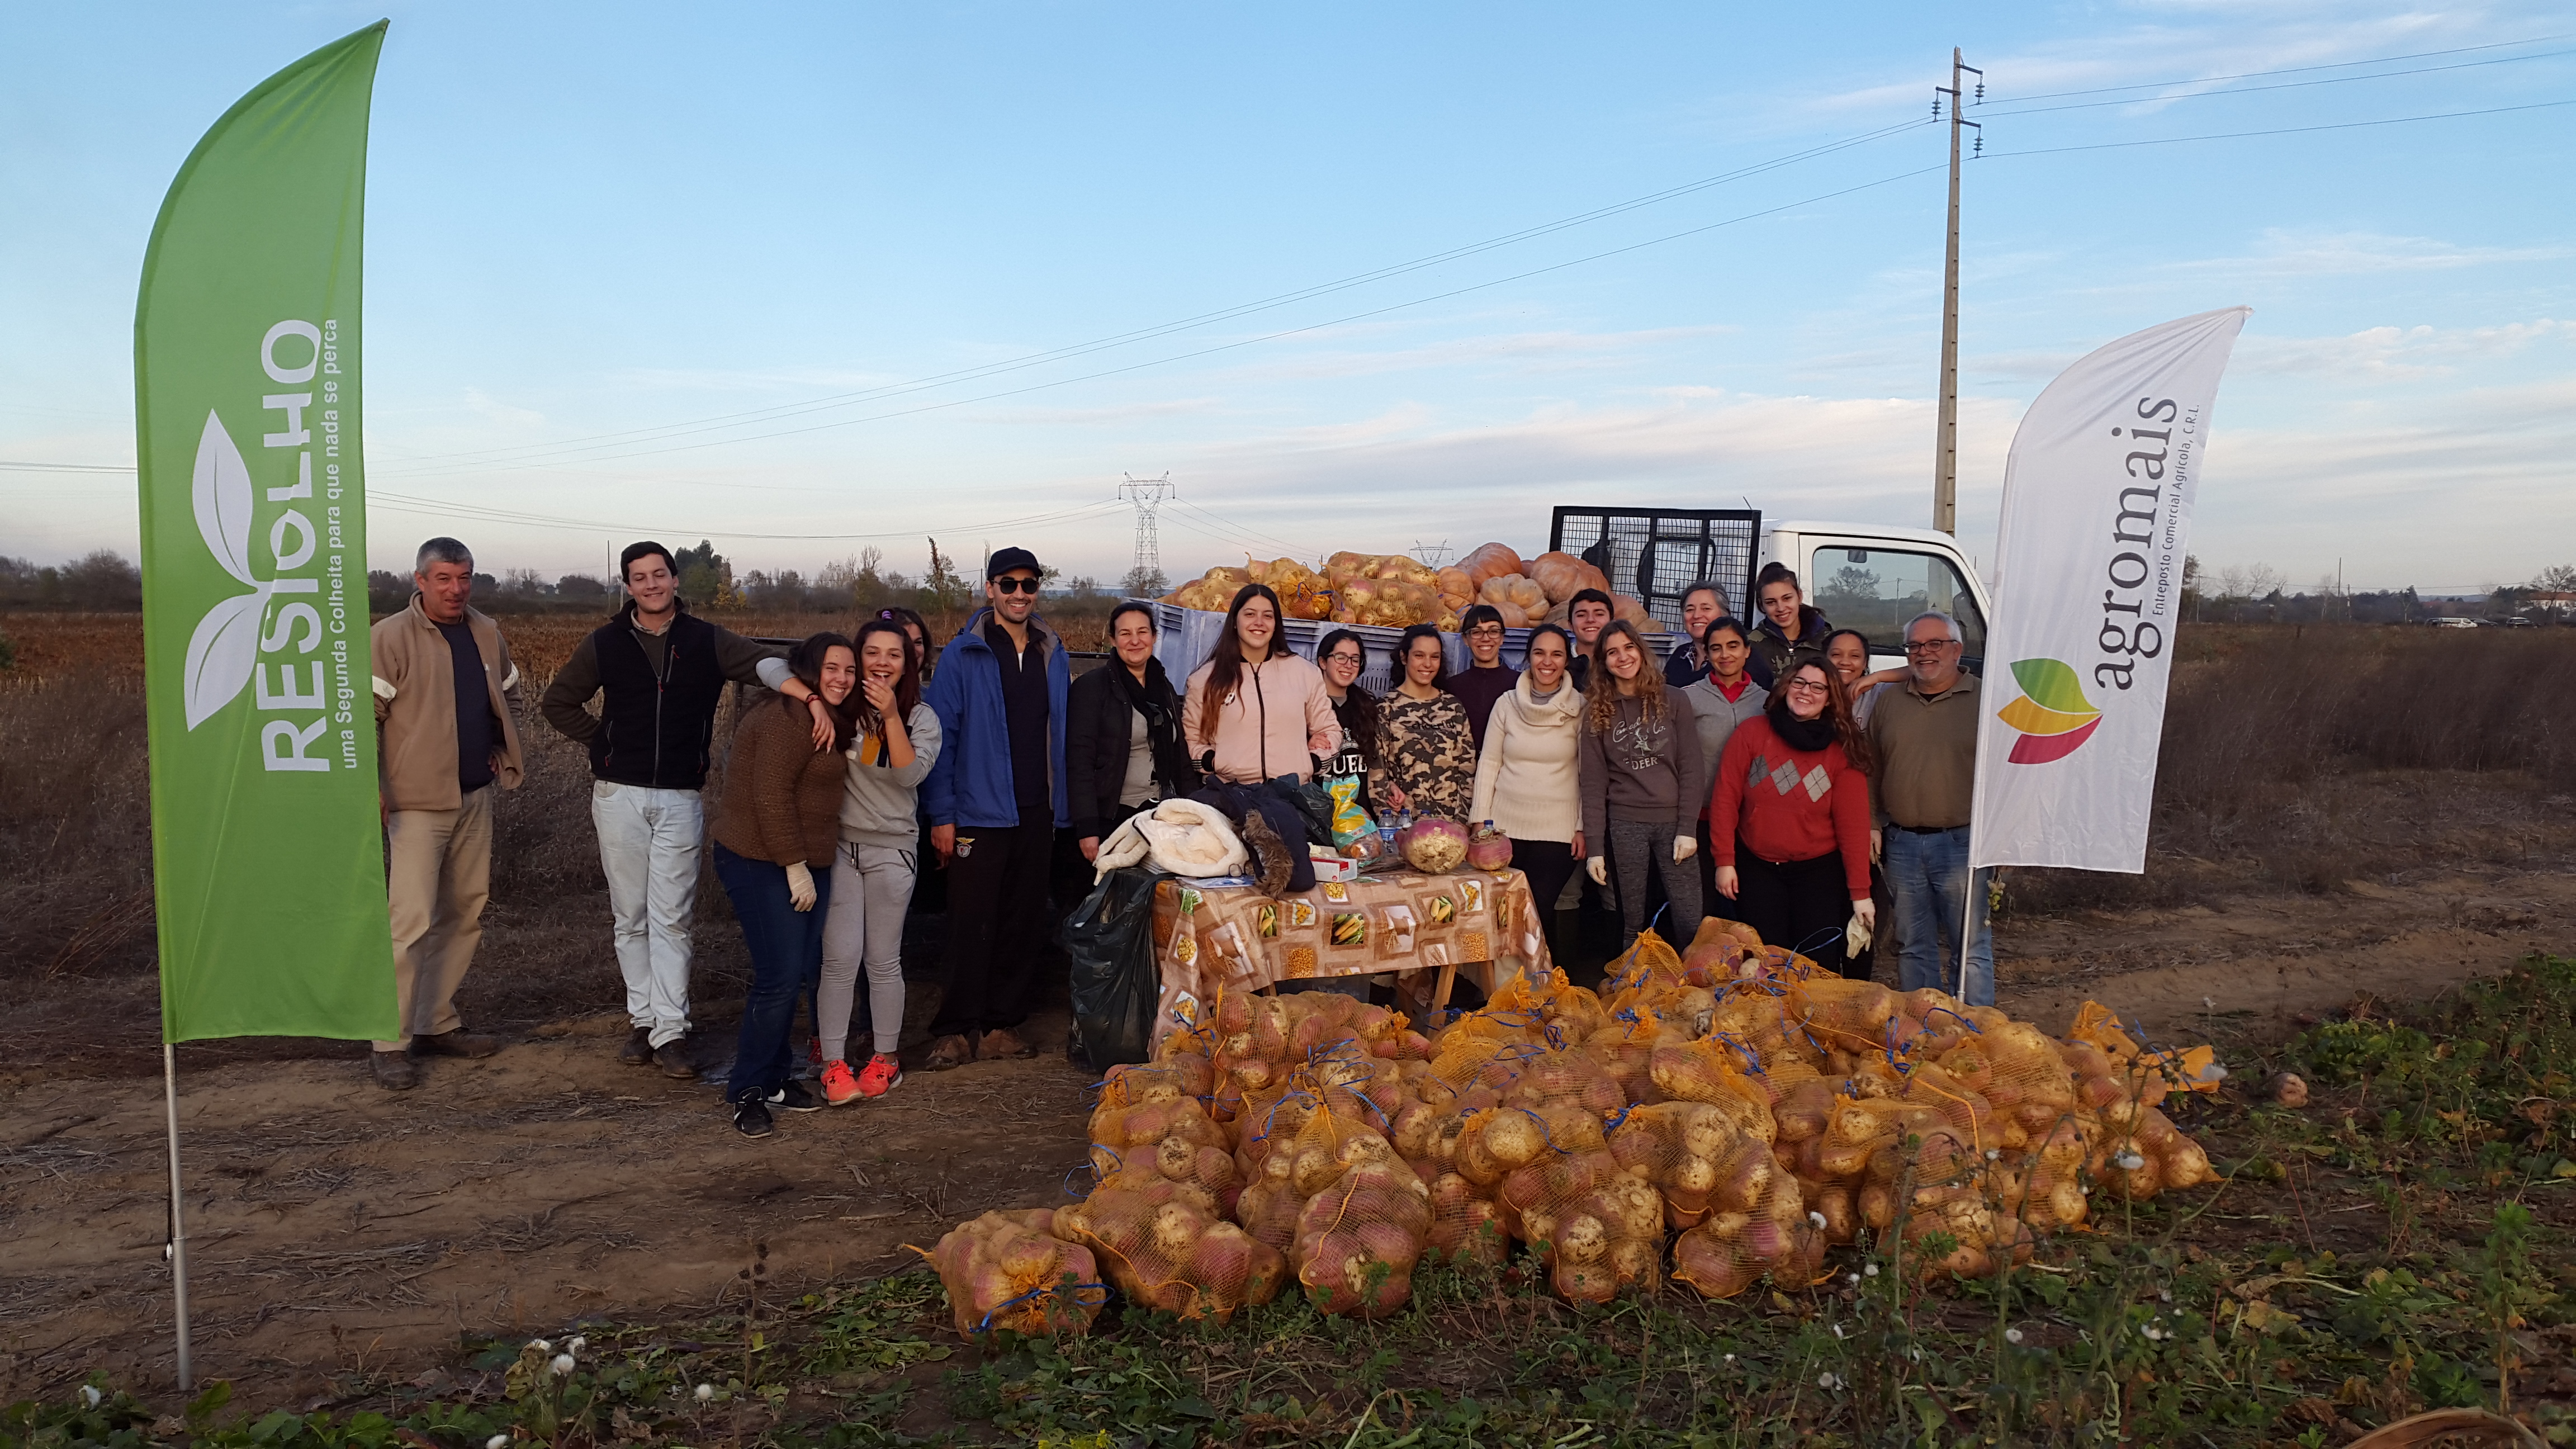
1636,848
871,890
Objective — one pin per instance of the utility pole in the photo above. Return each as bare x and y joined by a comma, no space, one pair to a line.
1945,447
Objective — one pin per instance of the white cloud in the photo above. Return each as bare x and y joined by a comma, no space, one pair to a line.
2395,353
2285,252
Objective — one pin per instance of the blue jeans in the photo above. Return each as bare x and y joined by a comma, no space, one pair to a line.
786,960
1928,875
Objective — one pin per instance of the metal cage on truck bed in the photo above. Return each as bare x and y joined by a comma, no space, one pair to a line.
1657,553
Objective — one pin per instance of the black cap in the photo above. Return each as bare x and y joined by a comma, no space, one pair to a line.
1005,560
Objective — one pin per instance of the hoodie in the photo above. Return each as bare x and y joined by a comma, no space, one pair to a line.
879,802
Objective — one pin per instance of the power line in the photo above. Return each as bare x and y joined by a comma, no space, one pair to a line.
2290,70
405,503
2283,86
2278,131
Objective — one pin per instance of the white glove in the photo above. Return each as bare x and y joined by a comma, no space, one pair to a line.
1684,847
1598,867
800,886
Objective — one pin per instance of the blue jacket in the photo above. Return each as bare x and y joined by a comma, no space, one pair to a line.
970,782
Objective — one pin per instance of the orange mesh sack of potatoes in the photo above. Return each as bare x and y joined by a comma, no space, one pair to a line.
1008,1270
1167,1246
1363,1218
1757,1223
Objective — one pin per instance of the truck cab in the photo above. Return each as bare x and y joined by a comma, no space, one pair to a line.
1874,578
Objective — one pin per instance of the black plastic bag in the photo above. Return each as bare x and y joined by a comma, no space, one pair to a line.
1116,987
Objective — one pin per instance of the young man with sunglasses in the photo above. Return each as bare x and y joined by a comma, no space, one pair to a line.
995,798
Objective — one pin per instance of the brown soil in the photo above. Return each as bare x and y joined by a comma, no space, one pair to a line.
331,1221
336,1227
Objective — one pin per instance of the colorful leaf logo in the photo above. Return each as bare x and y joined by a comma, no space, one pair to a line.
2052,713
225,647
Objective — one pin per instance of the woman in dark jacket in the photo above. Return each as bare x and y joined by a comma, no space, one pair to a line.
1341,656
1122,734
1791,628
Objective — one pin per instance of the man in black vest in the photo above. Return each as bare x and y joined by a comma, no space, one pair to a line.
661,672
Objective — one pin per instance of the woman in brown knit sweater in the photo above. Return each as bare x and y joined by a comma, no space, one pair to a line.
776,829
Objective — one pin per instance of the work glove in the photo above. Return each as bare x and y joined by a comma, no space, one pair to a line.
800,886
1684,847
1867,910
1598,867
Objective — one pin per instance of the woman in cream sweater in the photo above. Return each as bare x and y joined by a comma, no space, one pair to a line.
1526,778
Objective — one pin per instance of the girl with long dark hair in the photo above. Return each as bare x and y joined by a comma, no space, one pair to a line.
1426,759
775,829
1256,711
895,741
1789,818
1642,783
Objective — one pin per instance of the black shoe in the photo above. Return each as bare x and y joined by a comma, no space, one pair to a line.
638,1051
458,1043
751,1118
673,1055
793,1097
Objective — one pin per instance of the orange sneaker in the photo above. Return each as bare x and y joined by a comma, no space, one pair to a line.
883,1075
841,1086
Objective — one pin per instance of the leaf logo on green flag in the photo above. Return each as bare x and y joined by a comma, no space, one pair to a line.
2054,717
225,646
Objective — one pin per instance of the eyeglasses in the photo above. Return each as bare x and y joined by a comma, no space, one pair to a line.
1025,586
1341,658
1486,631
1807,686
1928,646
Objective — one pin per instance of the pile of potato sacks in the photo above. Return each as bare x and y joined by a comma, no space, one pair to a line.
1396,590
1730,1106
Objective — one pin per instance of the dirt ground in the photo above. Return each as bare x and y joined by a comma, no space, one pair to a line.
334,1226
337,1231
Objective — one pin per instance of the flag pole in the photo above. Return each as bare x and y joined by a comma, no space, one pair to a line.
178,1224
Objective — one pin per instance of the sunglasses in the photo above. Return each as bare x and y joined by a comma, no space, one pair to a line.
1022,586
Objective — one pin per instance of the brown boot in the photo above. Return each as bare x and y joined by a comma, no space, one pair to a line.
393,1070
638,1051
459,1043
947,1052
995,1046
676,1060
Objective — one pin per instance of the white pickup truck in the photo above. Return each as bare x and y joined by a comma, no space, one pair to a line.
1868,577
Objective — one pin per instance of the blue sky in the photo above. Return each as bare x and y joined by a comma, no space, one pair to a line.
688,271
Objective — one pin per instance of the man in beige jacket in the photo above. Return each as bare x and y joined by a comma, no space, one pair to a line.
445,688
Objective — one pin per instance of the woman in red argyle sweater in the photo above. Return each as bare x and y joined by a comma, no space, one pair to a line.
1789,817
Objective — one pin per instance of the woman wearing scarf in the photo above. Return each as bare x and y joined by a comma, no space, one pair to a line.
1122,743
1789,818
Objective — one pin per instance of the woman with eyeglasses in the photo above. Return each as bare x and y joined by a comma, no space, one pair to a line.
897,741
1426,759
1789,817
1122,744
1256,710
1342,659
1642,784
1527,781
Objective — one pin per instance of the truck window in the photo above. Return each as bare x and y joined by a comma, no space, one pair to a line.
1876,590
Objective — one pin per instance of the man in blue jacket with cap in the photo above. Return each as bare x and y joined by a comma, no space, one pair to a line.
994,799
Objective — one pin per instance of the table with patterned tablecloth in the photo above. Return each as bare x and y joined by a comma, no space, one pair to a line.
1234,938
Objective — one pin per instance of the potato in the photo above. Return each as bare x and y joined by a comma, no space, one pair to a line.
1512,1137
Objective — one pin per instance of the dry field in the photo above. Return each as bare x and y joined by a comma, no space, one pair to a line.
2340,811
